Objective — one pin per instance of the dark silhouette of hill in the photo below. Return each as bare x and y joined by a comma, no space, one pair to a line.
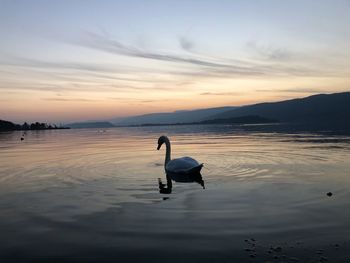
251,119
171,117
97,124
320,110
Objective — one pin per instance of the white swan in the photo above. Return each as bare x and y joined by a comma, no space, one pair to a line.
185,169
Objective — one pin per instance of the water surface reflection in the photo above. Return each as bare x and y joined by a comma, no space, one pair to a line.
86,195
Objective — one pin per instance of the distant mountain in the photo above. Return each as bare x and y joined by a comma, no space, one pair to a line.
237,120
321,109
172,117
82,125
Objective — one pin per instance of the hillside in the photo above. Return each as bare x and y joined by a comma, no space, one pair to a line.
250,119
172,117
317,109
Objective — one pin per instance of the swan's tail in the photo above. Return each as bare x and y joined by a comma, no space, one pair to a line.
196,169
196,175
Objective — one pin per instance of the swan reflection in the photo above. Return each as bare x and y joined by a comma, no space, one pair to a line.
167,188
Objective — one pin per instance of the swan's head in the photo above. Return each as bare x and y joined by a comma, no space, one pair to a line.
162,139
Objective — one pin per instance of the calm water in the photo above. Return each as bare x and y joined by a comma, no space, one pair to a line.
92,195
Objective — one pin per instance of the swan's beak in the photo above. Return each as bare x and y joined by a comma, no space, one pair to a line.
159,145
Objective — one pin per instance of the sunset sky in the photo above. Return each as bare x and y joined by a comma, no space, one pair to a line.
63,61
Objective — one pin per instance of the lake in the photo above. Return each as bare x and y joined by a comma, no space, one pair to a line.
92,195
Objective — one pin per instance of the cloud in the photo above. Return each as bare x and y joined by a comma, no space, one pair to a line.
24,87
35,63
293,90
269,52
102,43
38,74
219,93
135,100
204,66
149,101
187,68
68,100
186,44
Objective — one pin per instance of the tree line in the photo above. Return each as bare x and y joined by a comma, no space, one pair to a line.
10,126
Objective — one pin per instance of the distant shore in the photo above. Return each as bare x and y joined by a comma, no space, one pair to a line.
10,126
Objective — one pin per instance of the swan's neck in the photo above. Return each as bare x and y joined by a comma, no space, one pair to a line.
168,152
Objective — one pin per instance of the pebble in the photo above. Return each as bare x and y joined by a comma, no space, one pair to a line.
277,249
323,259
294,259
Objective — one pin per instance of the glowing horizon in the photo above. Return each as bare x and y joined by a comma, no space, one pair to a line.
69,61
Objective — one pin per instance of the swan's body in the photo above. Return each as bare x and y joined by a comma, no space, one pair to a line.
182,166
185,169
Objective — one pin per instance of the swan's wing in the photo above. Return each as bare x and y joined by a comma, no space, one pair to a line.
183,165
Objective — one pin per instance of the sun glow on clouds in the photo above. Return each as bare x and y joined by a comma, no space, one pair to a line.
69,70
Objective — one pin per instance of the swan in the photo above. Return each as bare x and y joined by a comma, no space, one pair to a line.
184,169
